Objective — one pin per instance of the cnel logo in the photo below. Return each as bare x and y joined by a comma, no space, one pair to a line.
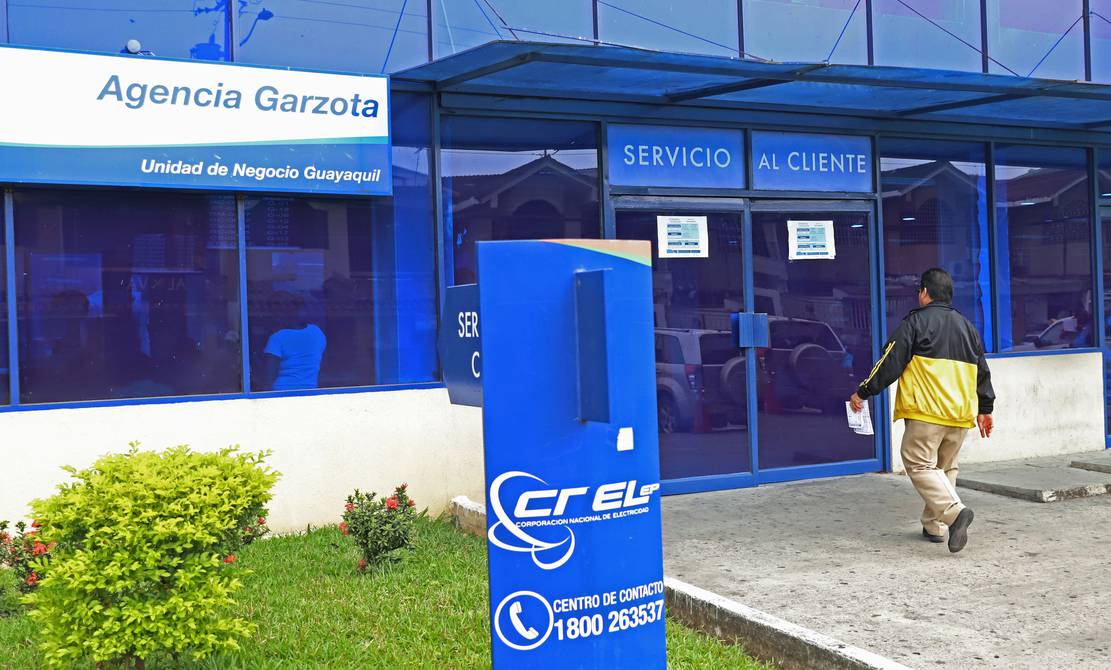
547,508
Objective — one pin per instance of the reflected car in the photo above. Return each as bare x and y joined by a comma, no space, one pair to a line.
691,383
807,365
1057,334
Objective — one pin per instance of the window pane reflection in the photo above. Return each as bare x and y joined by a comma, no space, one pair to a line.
807,31
1023,35
904,35
174,28
935,215
1043,214
377,35
705,27
517,180
126,295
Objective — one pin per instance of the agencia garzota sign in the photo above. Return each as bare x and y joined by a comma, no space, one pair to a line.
140,121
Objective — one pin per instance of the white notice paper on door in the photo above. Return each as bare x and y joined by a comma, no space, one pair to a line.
682,237
810,239
860,422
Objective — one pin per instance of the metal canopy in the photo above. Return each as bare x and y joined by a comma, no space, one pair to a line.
612,73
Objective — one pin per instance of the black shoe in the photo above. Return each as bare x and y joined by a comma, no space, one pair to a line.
931,537
958,530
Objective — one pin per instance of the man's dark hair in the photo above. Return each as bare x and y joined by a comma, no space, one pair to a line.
938,283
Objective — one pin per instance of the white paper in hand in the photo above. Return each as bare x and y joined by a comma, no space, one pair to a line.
860,422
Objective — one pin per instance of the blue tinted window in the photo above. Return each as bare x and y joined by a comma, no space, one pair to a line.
1101,40
1025,36
126,294
1044,219
943,34
807,31
462,24
171,28
707,27
509,179
355,35
342,292
935,214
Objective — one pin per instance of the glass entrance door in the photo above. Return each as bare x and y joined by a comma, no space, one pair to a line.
701,377
730,416
819,302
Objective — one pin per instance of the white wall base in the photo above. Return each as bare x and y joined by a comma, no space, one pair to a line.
324,446
1046,405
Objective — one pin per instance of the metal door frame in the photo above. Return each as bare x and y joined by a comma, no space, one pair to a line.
746,206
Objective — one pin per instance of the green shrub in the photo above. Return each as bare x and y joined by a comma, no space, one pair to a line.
379,526
145,554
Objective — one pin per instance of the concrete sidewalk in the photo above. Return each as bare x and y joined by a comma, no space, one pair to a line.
844,557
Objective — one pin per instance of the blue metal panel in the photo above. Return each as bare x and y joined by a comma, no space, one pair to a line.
545,465
806,162
675,156
460,345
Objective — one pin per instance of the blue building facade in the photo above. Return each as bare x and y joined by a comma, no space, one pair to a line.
973,135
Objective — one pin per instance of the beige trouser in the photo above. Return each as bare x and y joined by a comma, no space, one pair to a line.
930,456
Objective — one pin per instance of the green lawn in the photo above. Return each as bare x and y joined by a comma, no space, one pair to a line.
314,611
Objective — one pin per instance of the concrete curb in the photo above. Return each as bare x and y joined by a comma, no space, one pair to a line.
768,638
1040,495
1092,467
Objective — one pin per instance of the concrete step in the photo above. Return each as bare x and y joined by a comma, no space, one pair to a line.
1096,462
1039,483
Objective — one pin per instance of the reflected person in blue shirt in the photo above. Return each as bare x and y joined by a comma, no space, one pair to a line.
291,359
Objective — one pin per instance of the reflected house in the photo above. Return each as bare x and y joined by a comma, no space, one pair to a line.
1047,212
541,199
934,217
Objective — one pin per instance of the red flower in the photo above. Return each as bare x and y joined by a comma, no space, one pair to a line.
350,507
362,564
39,549
391,502
32,579
230,558
5,538
262,521
412,503
343,527
36,524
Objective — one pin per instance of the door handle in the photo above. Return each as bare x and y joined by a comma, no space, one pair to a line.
751,329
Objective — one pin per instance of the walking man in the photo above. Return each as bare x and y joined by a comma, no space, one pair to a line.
944,389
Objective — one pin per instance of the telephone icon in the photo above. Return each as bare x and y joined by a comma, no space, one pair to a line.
526,632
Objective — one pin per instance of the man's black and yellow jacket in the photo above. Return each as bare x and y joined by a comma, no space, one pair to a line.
938,358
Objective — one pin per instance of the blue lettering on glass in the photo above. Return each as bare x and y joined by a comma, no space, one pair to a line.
676,157
803,162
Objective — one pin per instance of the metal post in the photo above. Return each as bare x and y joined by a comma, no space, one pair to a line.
13,312
244,315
